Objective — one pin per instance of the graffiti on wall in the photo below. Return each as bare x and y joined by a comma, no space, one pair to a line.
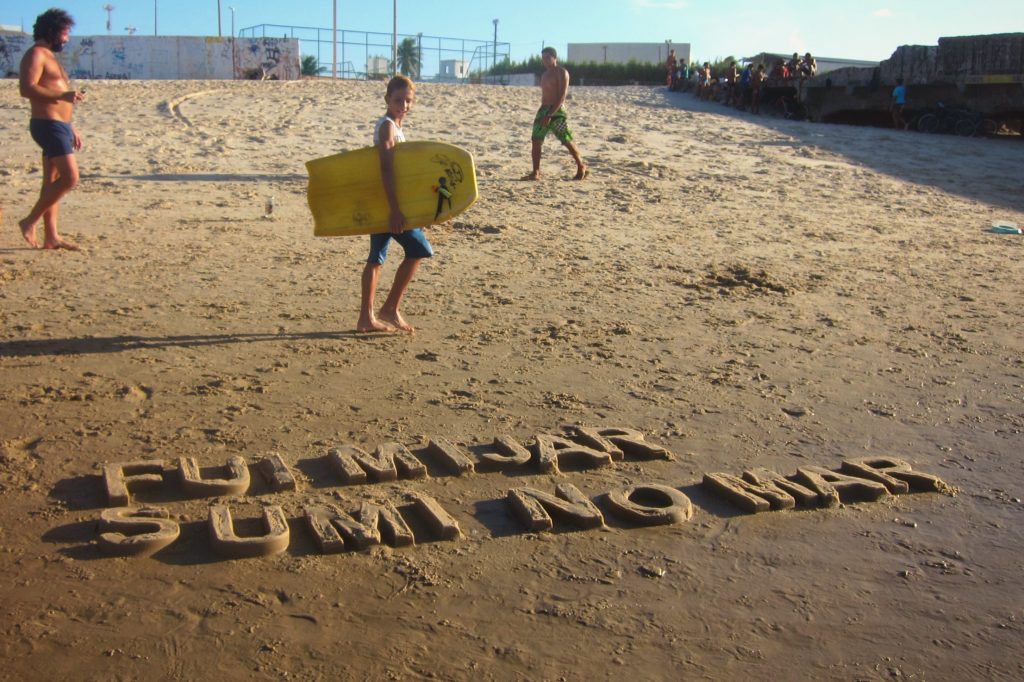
12,46
173,58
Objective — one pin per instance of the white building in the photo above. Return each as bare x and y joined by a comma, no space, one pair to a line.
453,69
377,67
623,53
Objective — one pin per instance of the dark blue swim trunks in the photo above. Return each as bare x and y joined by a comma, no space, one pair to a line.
55,137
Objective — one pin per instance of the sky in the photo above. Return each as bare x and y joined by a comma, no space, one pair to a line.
853,29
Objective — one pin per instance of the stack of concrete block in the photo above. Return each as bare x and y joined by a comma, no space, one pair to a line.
915,64
964,56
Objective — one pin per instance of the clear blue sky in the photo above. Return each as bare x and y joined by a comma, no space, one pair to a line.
857,29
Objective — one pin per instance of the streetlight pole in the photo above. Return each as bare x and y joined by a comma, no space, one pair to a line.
219,34
234,61
154,19
394,38
334,44
495,59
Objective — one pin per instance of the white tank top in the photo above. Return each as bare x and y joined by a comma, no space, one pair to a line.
399,135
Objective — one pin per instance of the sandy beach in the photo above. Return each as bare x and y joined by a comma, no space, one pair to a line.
747,292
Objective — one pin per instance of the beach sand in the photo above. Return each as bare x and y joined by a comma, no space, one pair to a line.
746,291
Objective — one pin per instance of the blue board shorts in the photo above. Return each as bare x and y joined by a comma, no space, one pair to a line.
413,241
57,138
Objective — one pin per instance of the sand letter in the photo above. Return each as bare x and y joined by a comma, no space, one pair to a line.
592,438
454,457
760,490
441,523
650,505
136,531
387,518
383,465
276,473
835,487
891,471
334,530
551,449
228,544
236,483
532,506
507,452
632,443
145,474
766,478
742,494
343,461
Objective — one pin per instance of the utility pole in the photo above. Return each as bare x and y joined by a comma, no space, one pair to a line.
334,44
234,58
394,39
109,9
219,34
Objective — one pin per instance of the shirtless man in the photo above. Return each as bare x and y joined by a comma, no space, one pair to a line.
551,117
44,84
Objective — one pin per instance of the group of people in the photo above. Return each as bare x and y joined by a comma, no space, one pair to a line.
744,87
738,88
44,82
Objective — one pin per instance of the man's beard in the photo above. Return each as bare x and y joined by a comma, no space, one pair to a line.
56,46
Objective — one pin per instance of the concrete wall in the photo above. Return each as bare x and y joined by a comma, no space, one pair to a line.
165,57
623,53
982,73
12,46
524,79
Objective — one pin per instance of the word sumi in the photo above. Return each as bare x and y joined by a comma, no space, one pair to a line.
142,530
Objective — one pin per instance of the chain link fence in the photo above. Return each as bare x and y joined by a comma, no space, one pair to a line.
367,55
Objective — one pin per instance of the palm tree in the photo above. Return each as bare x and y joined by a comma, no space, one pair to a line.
310,66
409,58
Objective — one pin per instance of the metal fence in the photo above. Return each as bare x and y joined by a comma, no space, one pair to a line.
363,55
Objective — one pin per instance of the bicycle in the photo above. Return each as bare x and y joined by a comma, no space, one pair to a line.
963,122
973,124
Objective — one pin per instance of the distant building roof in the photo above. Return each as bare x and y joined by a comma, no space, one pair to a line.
10,28
786,55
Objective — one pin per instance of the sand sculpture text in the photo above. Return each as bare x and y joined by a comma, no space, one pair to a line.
142,530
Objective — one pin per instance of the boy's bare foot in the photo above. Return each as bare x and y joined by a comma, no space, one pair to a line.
397,320
62,244
532,175
29,233
372,325
583,172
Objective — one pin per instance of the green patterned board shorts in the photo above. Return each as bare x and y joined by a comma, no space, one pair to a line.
557,125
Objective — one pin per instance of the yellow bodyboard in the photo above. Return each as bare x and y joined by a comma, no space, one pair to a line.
434,182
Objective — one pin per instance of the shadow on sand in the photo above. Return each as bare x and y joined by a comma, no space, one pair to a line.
953,164
120,344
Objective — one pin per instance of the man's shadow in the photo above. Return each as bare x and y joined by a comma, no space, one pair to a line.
120,344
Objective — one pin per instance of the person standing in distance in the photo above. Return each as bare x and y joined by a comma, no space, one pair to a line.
897,104
551,117
45,84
